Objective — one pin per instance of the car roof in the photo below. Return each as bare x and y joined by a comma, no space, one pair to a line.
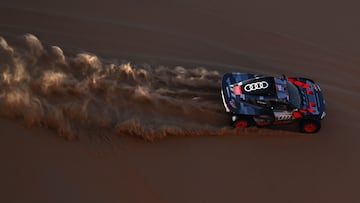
261,86
266,88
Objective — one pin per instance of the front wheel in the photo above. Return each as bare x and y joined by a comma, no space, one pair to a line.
310,126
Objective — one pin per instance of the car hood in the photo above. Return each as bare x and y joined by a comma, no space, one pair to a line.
313,102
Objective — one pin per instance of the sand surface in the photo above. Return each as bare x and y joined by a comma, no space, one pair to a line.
199,160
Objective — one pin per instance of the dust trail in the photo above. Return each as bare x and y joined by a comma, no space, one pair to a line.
42,87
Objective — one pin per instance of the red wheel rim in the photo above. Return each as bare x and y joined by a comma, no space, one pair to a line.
241,124
310,127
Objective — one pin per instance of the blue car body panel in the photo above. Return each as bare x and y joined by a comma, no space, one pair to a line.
249,94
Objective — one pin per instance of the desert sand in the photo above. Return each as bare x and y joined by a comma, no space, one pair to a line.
118,101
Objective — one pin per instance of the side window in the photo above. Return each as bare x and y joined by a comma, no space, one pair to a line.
264,104
281,106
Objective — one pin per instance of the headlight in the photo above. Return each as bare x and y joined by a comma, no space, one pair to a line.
323,115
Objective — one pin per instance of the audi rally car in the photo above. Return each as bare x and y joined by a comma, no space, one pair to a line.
264,100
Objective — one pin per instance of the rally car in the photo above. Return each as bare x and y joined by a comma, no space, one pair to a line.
266,100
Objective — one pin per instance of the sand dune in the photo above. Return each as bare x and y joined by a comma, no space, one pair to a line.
151,70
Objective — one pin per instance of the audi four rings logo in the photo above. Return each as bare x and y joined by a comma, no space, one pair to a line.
256,86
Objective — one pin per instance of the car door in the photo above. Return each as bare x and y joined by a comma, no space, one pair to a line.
282,112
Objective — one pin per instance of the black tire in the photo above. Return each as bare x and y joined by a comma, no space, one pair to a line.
241,122
310,126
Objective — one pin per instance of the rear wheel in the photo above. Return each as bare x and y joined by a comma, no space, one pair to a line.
241,122
310,126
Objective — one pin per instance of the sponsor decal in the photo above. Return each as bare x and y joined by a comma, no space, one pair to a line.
283,116
256,86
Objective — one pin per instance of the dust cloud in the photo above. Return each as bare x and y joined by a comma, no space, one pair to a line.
81,94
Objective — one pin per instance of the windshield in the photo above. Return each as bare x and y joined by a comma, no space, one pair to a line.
294,95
